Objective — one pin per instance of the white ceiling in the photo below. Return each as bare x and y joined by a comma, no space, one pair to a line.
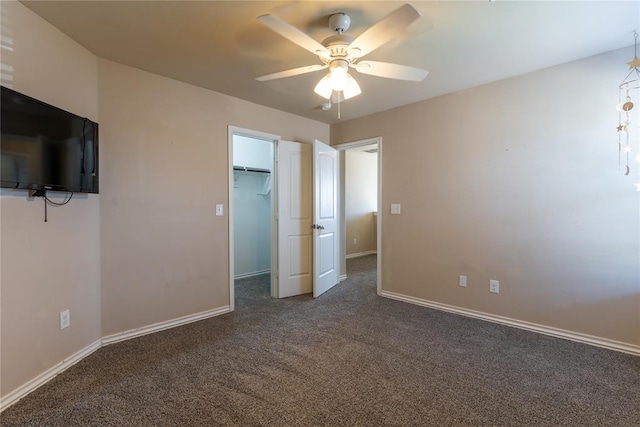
219,45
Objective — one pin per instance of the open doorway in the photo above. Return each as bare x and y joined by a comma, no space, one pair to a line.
361,216
304,216
251,214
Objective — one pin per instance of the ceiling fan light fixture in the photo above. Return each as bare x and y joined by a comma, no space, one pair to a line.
338,79
352,88
338,74
323,88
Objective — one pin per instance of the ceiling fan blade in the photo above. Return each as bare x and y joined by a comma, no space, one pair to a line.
292,72
293,34
391,71
384,30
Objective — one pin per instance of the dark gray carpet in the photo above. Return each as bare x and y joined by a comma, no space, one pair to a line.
347,358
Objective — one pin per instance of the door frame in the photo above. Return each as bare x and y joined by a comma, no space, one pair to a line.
274,139
341,148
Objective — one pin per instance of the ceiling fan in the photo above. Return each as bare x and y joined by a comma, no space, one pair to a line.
340,52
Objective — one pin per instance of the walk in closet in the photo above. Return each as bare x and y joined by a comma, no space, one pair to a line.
252,176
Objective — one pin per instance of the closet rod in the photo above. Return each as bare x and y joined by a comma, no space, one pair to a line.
246,169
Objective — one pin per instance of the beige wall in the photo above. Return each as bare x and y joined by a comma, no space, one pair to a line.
361,200
164,168
46,267
516,181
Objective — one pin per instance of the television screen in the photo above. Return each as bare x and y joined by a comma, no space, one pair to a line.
45,148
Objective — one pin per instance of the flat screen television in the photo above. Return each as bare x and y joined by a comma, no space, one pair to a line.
43,147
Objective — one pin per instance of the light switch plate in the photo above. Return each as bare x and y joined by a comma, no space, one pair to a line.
219,210
463,281
494,286
395,209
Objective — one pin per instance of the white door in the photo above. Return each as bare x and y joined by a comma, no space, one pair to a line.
307,218
326,266
295,235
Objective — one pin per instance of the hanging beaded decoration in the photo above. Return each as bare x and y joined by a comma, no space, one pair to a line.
623,128
625,104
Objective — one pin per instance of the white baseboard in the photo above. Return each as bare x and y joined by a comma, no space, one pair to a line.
255,273
50,373
47,375
534,327
161,326
342,277
359,254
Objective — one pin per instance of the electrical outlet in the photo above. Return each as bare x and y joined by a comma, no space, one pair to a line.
65,319
494,286
463,281
219,210
355,241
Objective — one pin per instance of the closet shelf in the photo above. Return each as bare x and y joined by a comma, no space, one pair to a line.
266,173
247,169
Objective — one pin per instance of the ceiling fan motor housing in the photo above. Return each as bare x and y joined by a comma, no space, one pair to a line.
338,45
